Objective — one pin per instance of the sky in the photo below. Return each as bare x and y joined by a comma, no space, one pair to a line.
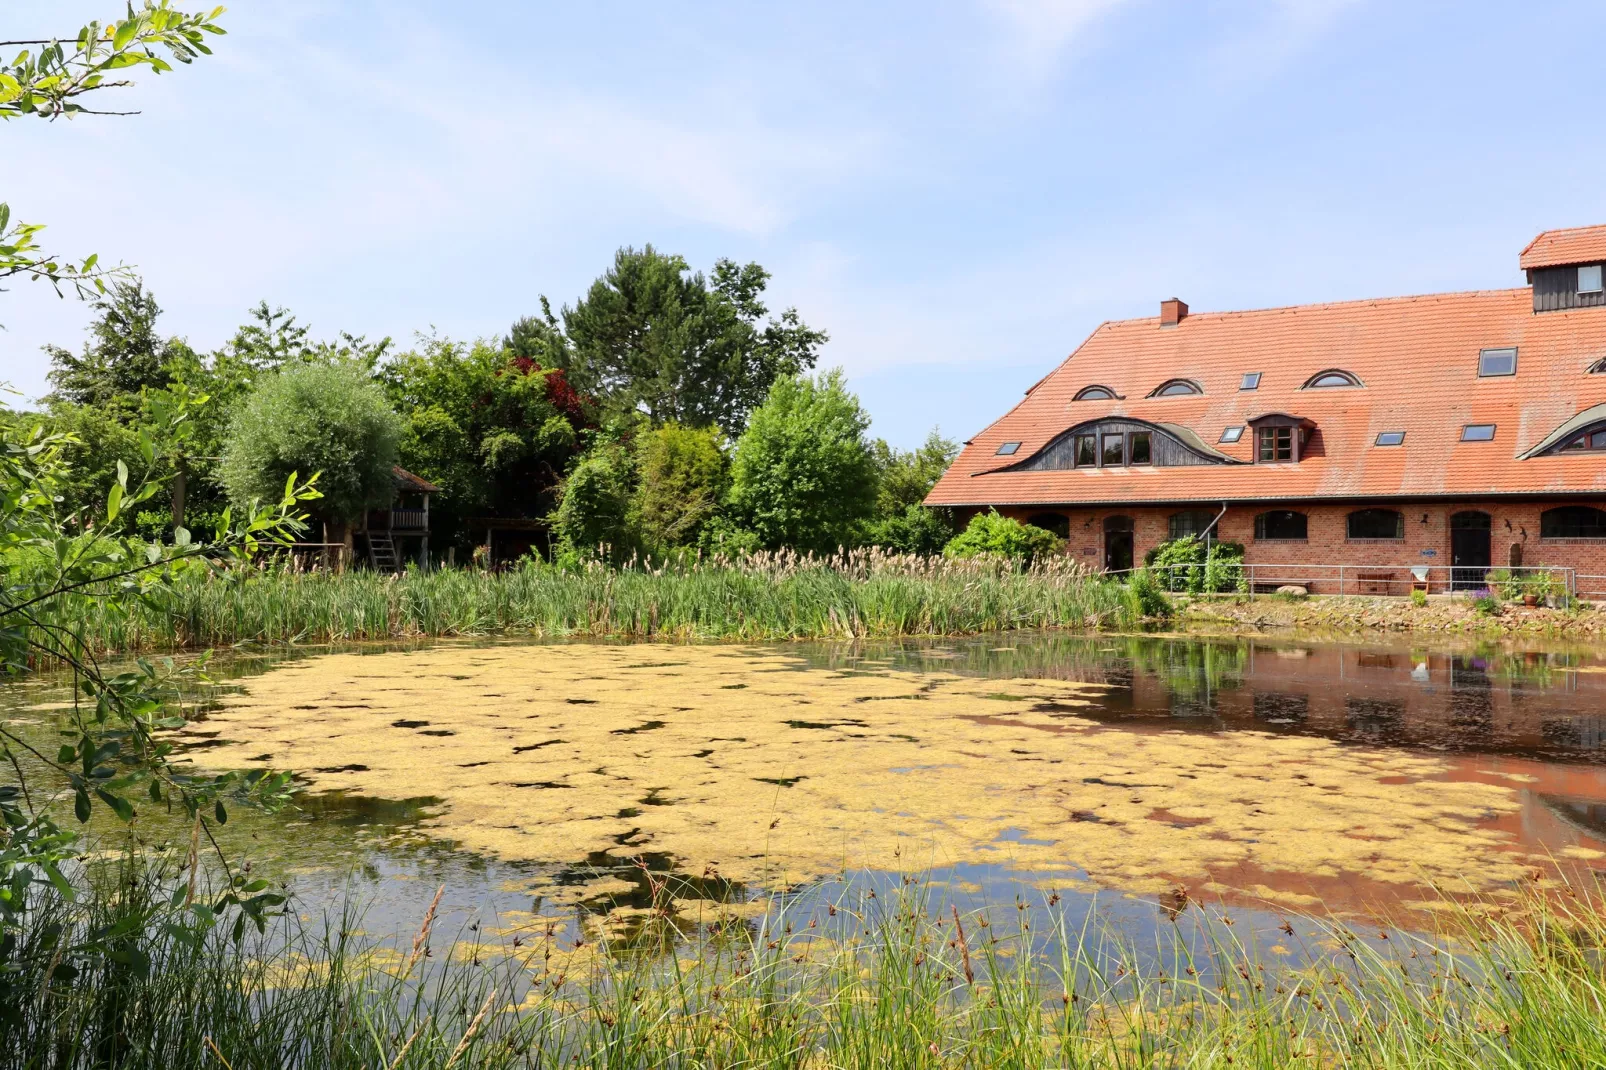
958,191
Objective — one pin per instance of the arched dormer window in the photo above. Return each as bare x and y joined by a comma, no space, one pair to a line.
1590,438
1332,377
1095,393
1176,388
1599,367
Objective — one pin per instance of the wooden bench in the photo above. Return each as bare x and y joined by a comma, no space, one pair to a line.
1376,582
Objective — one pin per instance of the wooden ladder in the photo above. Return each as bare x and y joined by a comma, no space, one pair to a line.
382,551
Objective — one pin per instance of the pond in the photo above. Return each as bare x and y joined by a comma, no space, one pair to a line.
550,784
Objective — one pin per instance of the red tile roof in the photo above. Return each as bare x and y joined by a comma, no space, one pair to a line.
1554,248
405,480
1416,356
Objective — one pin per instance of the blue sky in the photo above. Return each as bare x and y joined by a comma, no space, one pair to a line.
958,191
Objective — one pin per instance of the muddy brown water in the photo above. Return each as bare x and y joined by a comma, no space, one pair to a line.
553,783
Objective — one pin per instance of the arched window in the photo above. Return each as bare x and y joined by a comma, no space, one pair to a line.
1330,378
1191,522
1591,438
1094,393
1572,522
1058,523
1176,388
1376,524
1599,367
1281,525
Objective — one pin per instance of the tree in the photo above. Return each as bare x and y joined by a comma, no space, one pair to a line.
123,357
683,478
803,475
52,82
902,521
331,419
494,430
651,336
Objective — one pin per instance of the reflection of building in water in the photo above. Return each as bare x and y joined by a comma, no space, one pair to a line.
1520,702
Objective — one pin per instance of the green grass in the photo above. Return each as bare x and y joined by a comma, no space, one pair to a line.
778,597
895,983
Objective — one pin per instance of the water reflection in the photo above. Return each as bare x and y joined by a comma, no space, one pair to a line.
1545,703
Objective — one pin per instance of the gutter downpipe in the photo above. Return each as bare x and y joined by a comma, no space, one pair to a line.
1210,547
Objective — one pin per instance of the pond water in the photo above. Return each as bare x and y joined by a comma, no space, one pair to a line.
548,785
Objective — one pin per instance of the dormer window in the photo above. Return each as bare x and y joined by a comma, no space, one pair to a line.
1276,444
1593,439
1176,388
1333,377
1589,279
1094,393
1501,361
1280,438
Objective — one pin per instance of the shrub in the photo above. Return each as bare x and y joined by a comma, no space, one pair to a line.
917,530
989,533
803,476
1148,599
594,509
1419,598
1186,564
683,477
1486,602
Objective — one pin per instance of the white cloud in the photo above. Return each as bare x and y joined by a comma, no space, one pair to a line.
1038,31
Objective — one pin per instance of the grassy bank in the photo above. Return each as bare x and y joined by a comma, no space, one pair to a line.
1356,614
778,596
871,983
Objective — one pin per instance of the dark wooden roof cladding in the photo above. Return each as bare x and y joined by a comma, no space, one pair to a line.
406,481
1557,288
1167,448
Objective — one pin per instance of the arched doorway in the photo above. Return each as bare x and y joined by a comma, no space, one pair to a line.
1470,555
1117,544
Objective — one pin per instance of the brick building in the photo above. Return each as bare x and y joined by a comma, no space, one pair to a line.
1452,432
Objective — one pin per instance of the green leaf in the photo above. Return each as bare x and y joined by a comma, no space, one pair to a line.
80,805
120,806
114,500
156,791
66,754
125,33
221,814
122,475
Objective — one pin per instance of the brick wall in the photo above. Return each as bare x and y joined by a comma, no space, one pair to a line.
1427,528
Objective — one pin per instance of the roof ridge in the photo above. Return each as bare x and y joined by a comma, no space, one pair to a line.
1399,299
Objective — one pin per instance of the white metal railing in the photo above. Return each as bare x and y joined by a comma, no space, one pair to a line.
1255,579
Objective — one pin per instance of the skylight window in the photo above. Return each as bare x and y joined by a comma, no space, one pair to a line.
1477,433
1390,438
1333,377
1008,448
1497,362
1251,381
1232,434
1589,279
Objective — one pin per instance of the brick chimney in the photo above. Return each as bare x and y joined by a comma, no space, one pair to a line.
1172,312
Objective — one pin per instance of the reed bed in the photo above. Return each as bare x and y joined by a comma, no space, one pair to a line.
883,982
778,596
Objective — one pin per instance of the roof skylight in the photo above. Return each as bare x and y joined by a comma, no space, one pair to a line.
1008,448
1493,362
1232,434
1094,393
1390,438
1477,433
1251,381
1175,388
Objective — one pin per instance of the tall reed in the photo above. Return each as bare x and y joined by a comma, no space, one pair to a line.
887,981
766,596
